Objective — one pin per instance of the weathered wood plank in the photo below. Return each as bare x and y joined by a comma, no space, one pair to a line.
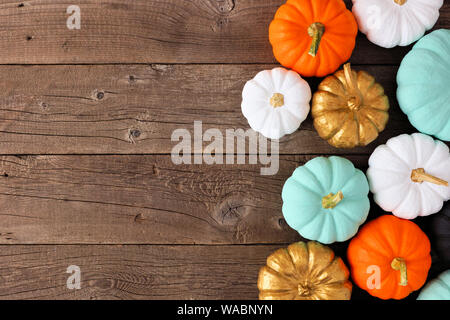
142,199
132,272
134,109
157,31
143,271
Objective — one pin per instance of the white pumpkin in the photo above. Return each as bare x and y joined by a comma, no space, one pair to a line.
275,102
390,23
409,175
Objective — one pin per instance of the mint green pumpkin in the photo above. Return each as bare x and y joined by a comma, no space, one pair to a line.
437,289
326,199
423,84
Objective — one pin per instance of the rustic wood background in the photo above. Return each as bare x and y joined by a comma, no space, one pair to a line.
86,176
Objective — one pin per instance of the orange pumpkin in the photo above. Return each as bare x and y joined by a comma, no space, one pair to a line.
313,37
390,257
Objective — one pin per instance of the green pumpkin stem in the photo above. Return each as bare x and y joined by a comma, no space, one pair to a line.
419,175
399,264
330,201
315,31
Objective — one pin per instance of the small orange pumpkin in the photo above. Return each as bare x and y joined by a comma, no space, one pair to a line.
390,257
313,37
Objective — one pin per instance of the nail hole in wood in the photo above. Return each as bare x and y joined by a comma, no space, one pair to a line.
135,133
282,223
100,95
139,218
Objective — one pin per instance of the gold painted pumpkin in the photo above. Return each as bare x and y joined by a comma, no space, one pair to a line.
350,109
304,271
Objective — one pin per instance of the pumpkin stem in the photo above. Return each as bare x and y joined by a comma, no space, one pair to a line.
399,264
315,31
419,175
354,101
330,201
303,290
400,2
277,100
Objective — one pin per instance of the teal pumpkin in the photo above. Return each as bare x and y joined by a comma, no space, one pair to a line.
326,199
437,289
423,84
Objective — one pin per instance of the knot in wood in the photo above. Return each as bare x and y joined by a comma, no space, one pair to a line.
229,212
224,6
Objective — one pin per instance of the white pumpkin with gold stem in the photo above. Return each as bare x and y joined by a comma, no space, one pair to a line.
390,23
409,175
275,102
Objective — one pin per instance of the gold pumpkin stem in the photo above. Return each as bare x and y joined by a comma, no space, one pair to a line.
277,100
419,175
315,31
354,101
400,2
351,81
330,201
399,264
303,290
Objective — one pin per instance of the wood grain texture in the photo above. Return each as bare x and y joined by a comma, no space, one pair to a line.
141,199
157,31
132,272
77,186
134,109
144,272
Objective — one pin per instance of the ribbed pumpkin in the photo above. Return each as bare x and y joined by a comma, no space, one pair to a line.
398,249
437,289
349,108
423,84
275,102
313,37
304,271
390,23
409,175
326,199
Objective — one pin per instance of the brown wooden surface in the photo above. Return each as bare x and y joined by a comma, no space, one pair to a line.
144,271
141,199
86,176
154,31
132,272
57,110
